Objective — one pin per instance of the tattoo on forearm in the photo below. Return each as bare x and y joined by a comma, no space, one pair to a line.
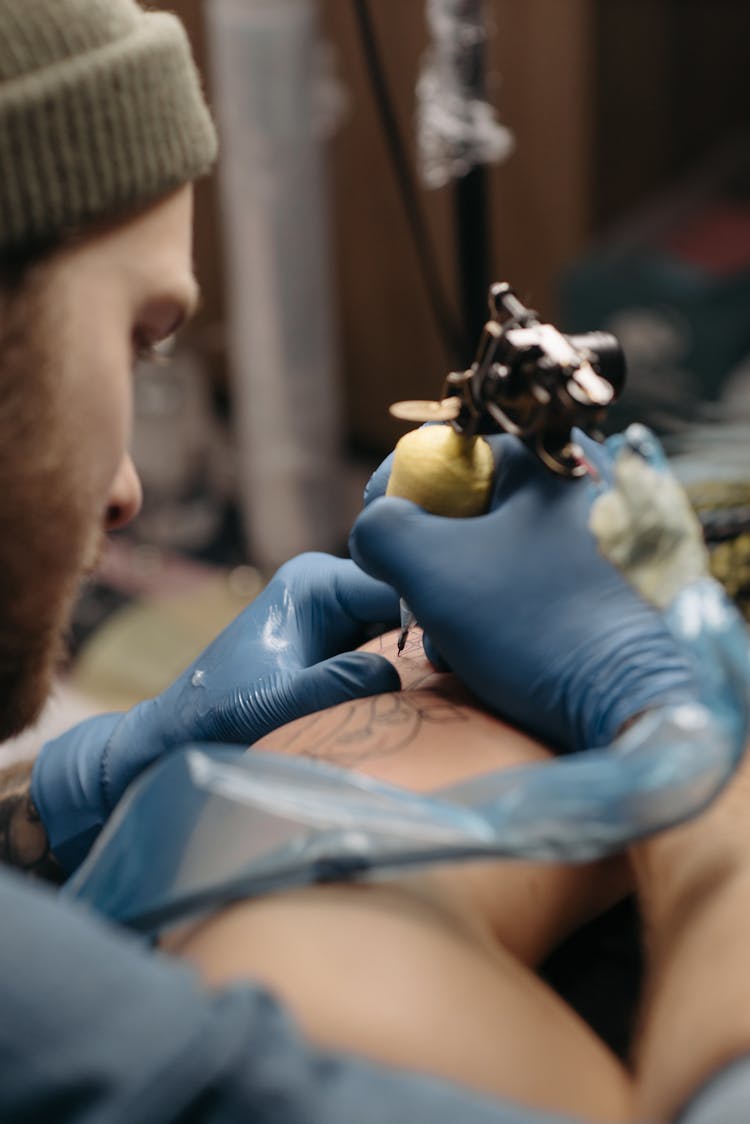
23,838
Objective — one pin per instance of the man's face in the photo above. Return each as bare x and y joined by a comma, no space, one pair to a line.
68,345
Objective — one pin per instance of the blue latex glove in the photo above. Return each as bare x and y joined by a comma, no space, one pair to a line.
522,606
276,662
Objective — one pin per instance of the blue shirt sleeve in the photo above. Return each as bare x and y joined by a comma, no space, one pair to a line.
94,1027
723,1099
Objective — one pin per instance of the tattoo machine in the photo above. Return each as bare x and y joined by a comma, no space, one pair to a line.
528,379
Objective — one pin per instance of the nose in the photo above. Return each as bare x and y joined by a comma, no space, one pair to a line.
125,496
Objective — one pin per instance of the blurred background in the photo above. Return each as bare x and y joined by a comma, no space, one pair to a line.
336,281
344,257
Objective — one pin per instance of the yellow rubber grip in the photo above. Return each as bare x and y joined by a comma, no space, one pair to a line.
443,471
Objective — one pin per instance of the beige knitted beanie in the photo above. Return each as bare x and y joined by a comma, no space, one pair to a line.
101,110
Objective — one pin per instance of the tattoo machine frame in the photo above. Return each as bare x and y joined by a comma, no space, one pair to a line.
531,380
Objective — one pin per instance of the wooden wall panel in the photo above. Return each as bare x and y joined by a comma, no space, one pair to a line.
541,197
390,346
671,83
608,99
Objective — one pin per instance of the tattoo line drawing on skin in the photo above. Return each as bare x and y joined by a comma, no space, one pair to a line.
385,724
378,727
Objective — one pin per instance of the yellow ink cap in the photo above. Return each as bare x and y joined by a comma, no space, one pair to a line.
443,471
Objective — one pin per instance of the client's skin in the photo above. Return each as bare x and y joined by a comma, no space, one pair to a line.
432,971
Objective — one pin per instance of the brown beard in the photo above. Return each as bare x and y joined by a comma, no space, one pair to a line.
46,533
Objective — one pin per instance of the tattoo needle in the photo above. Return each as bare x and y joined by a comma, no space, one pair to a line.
408,620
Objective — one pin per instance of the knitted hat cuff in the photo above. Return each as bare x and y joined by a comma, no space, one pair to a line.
101,133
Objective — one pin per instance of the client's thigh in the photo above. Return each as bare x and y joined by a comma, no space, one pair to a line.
387,971
426,971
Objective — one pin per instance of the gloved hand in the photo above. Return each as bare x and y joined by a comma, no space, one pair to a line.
521,605
278,660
